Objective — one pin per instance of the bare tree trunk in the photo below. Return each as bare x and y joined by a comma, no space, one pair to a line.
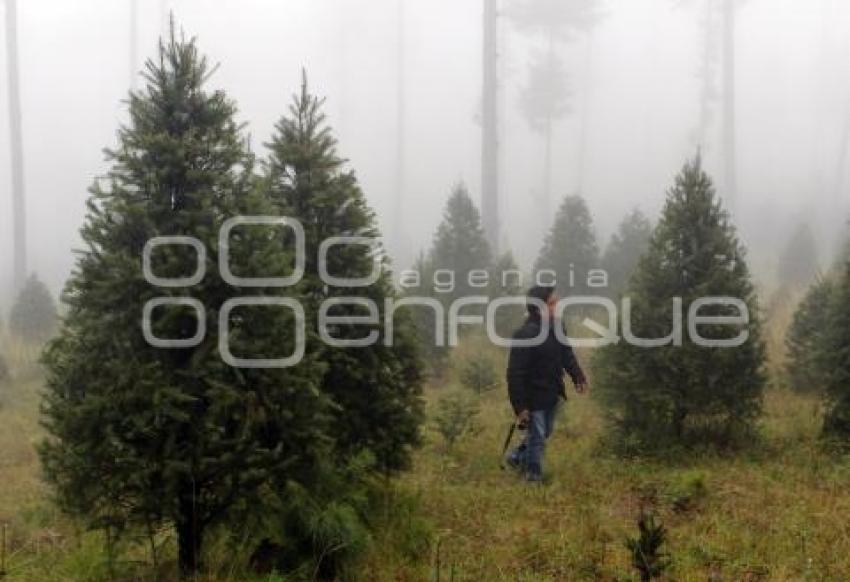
134,41
729,154
399,201
583,120
490,128
342,35
189,533
164,18
547,136
547,166
188,548
708,75
16,144
841,161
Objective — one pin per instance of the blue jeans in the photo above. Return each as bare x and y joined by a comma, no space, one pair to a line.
529,454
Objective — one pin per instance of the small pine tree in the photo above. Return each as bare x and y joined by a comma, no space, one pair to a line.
834,358
460,245
425,319
478,373
647,557
4,370
455,415
570,248
670,395
376,388
504,282
4,380
798,264
625,249
147,437
804,340
33,317
841,254
318,531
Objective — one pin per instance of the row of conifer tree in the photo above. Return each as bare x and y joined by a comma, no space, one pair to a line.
143,439
674,396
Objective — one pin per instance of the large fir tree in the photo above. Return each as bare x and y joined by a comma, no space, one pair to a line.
798,263
459,248
806,337
33,316
834,363
152,437
570,248
375,388
659,397
625,249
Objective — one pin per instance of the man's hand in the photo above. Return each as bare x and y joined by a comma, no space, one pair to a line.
522,419
582,386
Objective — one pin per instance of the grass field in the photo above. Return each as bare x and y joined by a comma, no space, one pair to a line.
776,511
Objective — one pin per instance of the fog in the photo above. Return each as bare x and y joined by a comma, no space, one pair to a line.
635,109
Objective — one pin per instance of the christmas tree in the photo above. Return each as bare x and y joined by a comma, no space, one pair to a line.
375,388
680,395
33,316
506,282
625,249
151,437
834,359
569,248
805,338
798,263
458,265
432,344
4,370
460,246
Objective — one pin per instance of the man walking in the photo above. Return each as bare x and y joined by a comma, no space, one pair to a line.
536,379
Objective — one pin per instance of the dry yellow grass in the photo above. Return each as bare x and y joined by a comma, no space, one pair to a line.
777,511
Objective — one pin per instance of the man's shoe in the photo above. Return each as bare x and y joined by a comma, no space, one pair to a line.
535,478
513,463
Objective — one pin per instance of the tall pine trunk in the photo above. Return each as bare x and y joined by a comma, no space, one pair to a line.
547,137
843,147
729,154
707,75
399,199
134,41
163,17
189,533
19,219
547,166
490,128
583,119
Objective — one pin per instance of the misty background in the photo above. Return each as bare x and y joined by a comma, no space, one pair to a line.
641,89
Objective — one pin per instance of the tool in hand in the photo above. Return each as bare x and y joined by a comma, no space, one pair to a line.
514,425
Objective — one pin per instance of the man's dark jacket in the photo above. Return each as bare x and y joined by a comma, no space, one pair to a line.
536,373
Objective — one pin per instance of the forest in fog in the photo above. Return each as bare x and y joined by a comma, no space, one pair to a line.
600,99
396,290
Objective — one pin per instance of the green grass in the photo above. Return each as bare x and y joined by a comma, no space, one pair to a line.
776,511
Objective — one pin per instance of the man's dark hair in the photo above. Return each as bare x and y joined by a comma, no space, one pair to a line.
541,292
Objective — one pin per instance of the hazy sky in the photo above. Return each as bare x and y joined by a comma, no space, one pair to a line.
635,107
